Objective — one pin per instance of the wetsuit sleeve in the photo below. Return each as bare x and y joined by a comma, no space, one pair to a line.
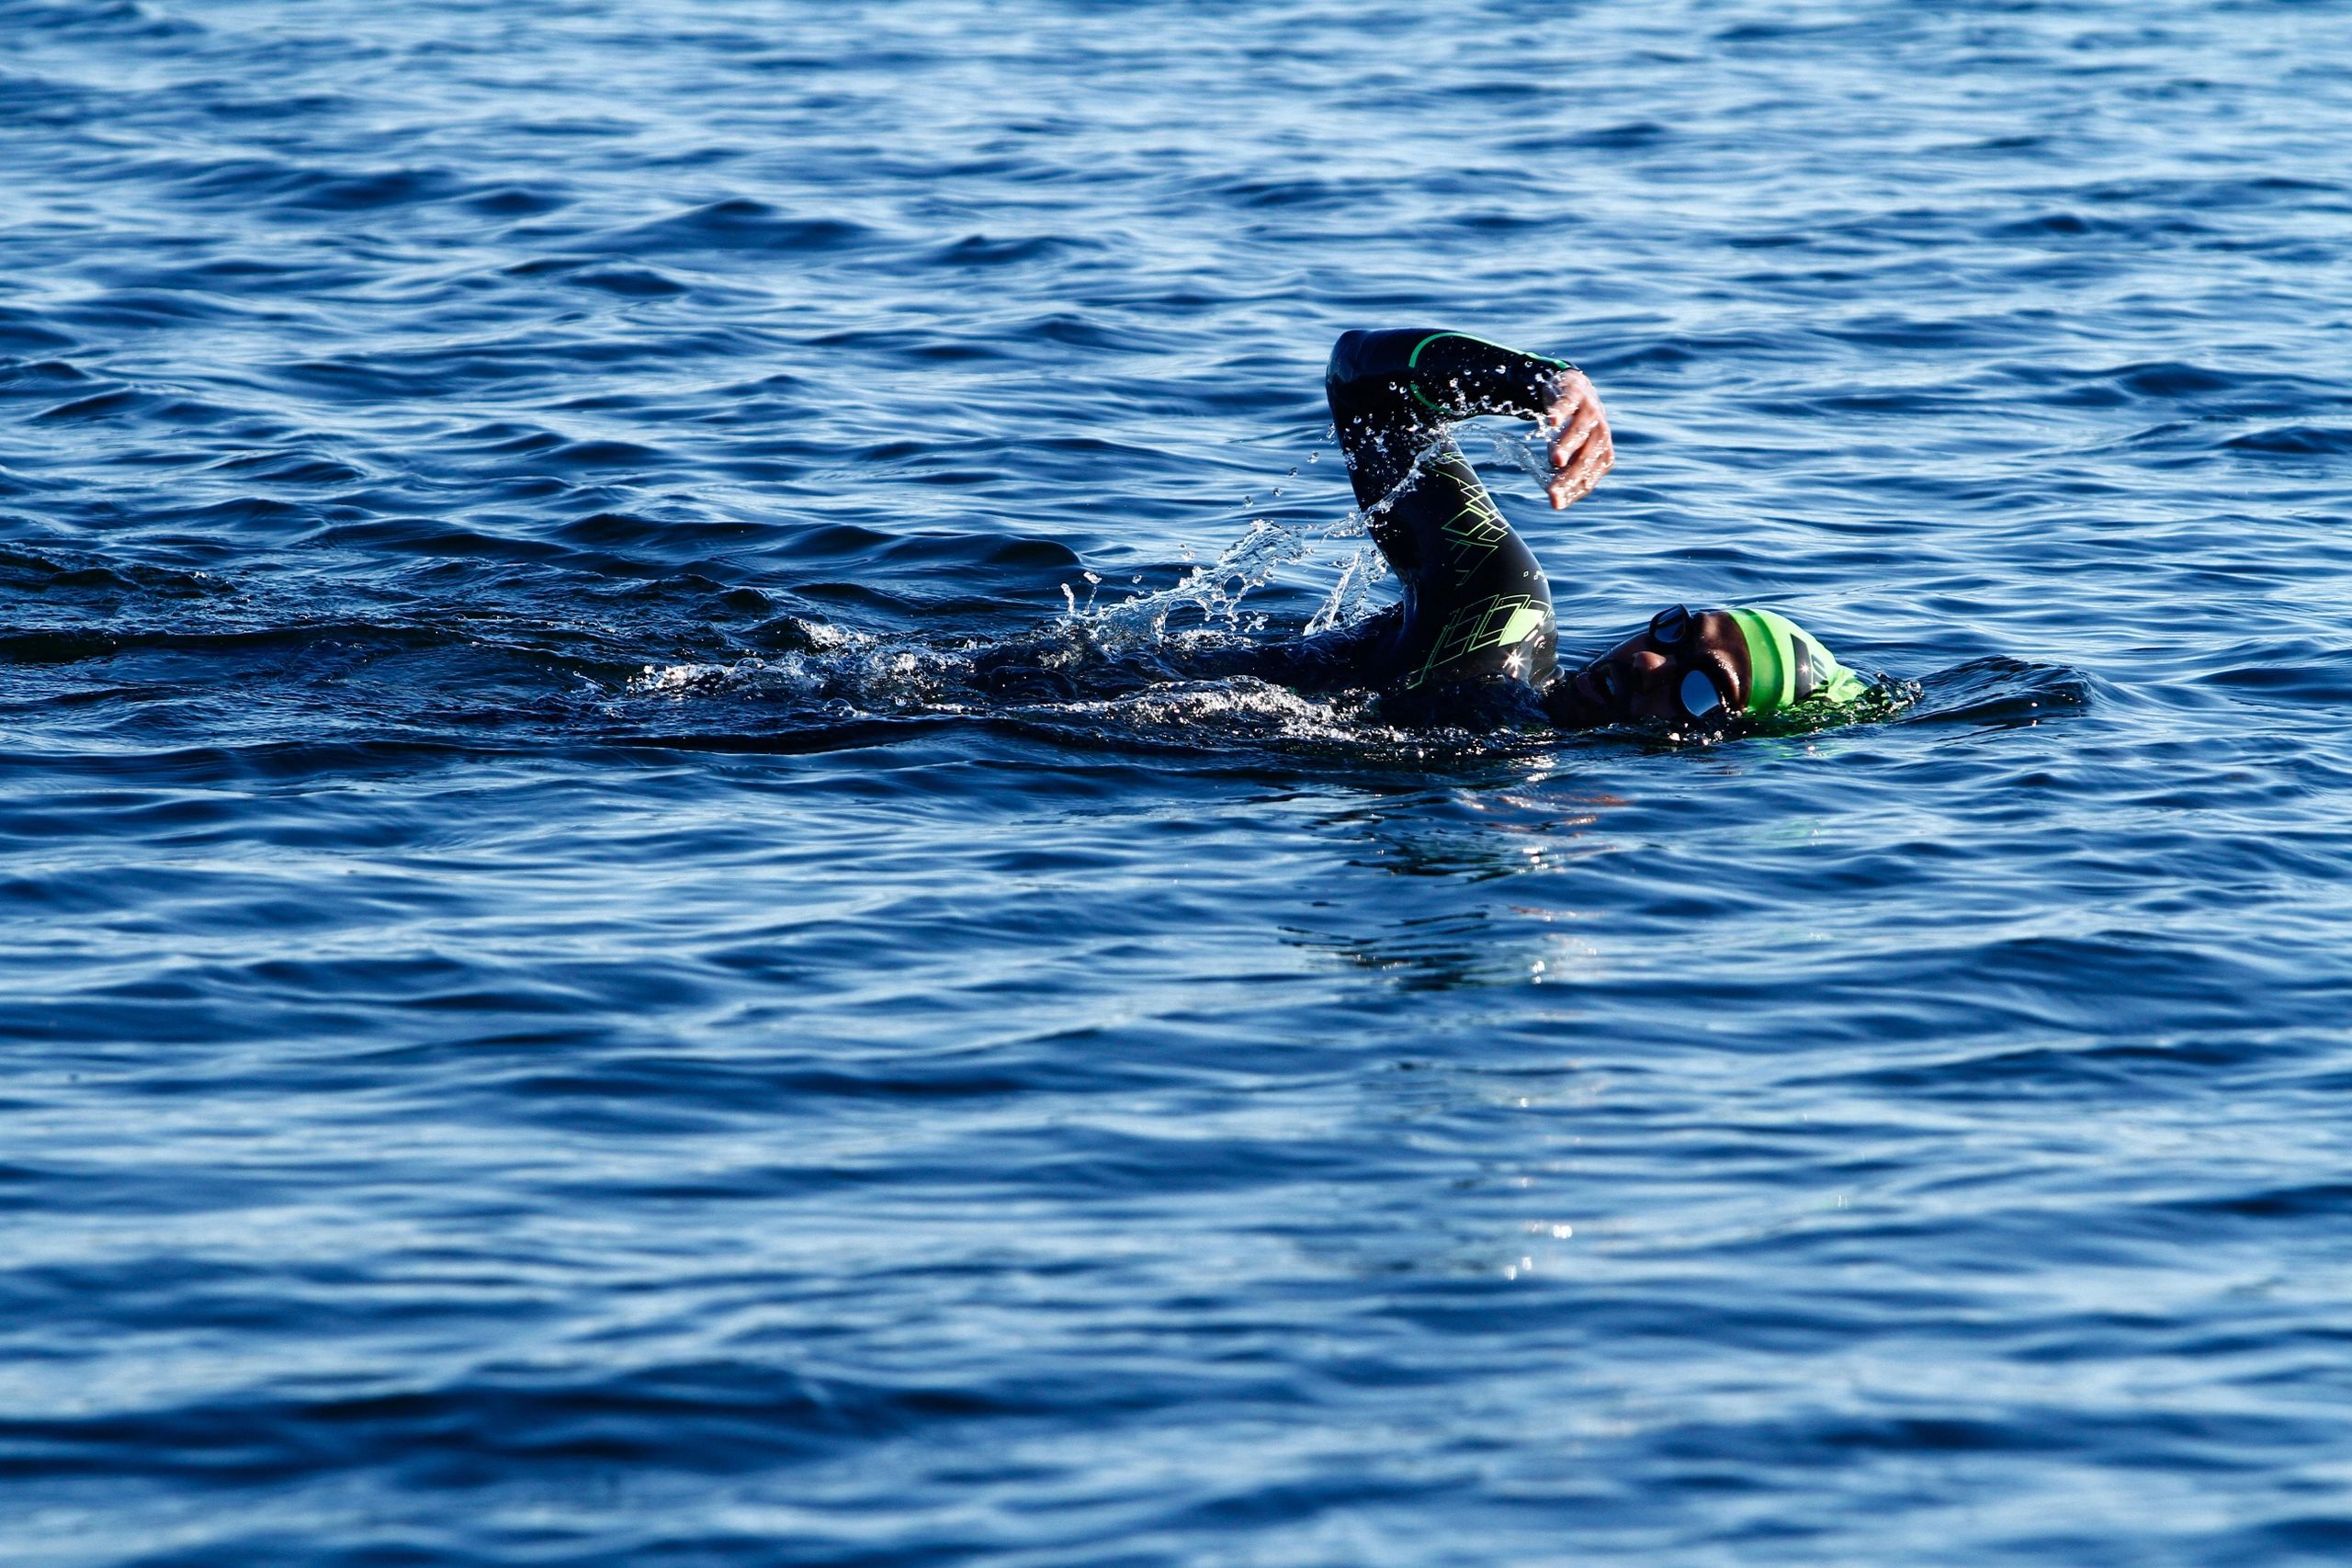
1391,392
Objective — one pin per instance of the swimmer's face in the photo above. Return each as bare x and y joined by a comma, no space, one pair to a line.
1642,678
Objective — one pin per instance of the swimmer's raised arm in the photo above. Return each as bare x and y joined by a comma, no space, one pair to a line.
1390,390
1475,605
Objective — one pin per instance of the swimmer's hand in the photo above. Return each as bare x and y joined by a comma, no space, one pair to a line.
1581,450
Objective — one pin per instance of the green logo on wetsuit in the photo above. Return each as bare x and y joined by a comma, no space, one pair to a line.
1504,620
1471,536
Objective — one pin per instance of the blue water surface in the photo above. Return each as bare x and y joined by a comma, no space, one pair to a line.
594,968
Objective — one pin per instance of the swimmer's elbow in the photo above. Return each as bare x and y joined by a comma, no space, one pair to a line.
1346,362
1370,357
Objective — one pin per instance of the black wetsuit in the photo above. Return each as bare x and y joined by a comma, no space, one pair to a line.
1475,611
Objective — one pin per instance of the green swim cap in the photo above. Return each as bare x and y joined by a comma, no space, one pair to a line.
1787,666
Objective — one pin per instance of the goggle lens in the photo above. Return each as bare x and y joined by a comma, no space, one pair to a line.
1670,626
1699,697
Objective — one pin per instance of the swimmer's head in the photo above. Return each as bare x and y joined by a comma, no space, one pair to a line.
1683,661
1788,666
1703,666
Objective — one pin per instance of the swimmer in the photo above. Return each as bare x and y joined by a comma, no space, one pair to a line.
1473,632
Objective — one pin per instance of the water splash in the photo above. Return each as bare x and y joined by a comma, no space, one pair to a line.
1248,563
1351,597
843,667
1216,589
1526,448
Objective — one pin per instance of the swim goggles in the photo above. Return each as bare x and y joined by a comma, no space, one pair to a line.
1697,694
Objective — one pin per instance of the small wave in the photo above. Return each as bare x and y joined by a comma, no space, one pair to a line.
2303,675
44,377
25,572
100,405
381,188
979,250
516,202
1997,693
289,467
1298,193
115,21
630,282
2294,441
22,333
738,224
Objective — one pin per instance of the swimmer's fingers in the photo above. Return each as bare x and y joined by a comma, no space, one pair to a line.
1574,482
1583,450
1580,470
1577,433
